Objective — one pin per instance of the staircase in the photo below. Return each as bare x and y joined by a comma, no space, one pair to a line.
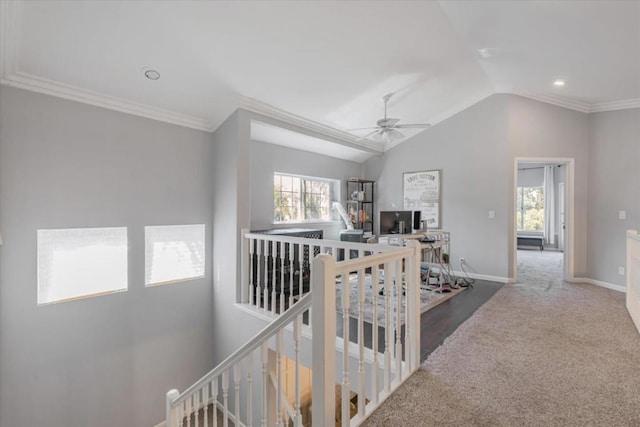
343,335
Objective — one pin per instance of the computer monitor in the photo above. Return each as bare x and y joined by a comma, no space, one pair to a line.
390,222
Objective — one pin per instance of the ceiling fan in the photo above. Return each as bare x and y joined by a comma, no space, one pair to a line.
386,129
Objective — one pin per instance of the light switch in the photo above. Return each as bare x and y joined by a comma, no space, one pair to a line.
622,214
621,271
492,214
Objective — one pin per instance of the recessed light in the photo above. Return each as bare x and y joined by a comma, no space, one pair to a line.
558,83
151,74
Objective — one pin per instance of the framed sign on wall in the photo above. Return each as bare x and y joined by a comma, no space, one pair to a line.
421,192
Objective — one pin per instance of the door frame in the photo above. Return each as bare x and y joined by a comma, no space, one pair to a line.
563,213
569,195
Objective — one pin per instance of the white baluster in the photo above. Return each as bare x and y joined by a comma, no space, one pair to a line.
206,401
361,371
297,337
388,292
346,386
236,388
252,279
214,395
187,411
225,398
250,389
196,407
264,360
375,278
181,414
279,345
259,272
301,267
398,317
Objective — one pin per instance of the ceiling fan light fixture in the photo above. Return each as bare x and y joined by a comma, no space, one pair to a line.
386,129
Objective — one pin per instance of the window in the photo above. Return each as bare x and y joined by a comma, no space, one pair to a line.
174,253
81,262
299,198
530,208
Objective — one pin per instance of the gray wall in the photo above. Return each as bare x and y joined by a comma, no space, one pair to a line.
538,130
476,149
471,150
108,360
614,185
269,158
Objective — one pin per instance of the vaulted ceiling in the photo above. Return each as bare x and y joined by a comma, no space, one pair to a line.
322,65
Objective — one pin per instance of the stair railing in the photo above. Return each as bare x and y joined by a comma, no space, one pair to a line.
211,392
362,369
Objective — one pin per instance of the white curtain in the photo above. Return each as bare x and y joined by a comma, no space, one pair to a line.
549,205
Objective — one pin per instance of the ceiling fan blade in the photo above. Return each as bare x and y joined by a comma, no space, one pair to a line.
370,134
357,129
393,135
415,125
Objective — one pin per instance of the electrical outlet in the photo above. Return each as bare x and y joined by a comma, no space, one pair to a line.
461,260
622,214
621,271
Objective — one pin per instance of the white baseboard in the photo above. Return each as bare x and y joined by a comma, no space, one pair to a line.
162,424
599,283
484,277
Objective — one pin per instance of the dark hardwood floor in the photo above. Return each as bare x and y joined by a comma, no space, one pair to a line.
436,324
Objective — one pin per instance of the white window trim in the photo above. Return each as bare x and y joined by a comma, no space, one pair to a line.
41,234
336,183
148,280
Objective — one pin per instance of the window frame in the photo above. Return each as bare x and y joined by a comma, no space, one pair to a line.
521,210
147,280
334,196
45,267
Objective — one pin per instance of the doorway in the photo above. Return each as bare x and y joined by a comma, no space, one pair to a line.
543,195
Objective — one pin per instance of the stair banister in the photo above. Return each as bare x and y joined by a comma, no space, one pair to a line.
175,399
323,288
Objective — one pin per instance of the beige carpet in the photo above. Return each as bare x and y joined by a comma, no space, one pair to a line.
539,353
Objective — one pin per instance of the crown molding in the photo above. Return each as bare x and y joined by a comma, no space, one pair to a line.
49,87
272,112
615,105
557,101
10,75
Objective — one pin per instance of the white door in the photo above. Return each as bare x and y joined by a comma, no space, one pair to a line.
561,232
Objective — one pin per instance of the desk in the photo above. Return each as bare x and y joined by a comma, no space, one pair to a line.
436,252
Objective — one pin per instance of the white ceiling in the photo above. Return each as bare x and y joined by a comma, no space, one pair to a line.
321,65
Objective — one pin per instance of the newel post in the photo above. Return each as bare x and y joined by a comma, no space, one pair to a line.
414,304
244,267
323,322
172,416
